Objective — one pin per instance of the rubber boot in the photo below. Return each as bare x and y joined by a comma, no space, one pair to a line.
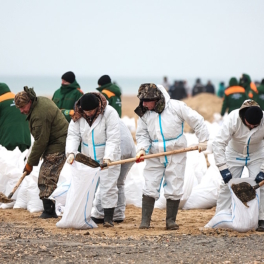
49,209
98,220
147,210
260,226
108,217
171,212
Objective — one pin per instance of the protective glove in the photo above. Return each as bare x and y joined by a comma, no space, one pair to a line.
107,161
226,174
202,146
70,158
139,156
259,177
28,169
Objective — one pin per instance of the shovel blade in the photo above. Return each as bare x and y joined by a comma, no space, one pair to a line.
4,199
244,192
87,160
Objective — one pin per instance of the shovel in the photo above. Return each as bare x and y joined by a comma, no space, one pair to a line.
4,199
94,164
245,192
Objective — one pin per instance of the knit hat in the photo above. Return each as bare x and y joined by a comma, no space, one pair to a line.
68,77
105,79
253,115
89,102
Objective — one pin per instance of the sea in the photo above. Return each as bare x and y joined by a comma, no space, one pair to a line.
47,85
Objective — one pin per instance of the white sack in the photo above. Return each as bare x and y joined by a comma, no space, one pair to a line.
77,213
240,217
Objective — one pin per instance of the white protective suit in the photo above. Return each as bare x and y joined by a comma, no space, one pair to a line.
164,132
237,146
100,141
128,150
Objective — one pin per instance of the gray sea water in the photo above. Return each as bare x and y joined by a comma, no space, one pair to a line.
47,85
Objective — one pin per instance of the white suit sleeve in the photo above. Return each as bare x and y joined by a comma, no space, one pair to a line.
195,121
221,141
112,146
73,138
142,136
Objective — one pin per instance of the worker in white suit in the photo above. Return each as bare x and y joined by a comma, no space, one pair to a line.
160,129
240,143
128,151
96,125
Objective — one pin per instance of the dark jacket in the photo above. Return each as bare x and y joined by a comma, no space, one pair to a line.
49,128
113,95
178,91
14,130
259,98
234,96
65,98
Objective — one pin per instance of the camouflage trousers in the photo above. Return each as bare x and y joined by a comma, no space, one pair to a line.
49,173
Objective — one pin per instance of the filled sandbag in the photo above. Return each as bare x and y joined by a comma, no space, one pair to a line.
77,212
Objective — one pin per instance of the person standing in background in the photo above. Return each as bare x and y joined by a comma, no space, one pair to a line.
166,83
177,91
234,96
66,96
259,98
111,92
198,88
188,89
14,130
221,90
209,88
250,87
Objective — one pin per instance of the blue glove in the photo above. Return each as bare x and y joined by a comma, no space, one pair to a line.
226,175
259,177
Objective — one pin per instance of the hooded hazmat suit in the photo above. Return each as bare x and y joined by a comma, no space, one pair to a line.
237,146
100,141
160,132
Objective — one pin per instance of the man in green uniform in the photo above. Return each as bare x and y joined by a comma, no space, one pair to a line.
250,87
234,96
67,95
14,130
111,92
259,98
49,128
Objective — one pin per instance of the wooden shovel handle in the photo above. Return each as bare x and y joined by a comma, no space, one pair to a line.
261,183
150,156
17,185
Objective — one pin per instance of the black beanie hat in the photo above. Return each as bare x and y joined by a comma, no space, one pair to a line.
89,102
105,79
68,77
253,115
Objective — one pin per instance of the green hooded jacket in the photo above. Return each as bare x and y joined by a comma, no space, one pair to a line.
14,130
47,125
260,97
113,95
234,96
65,98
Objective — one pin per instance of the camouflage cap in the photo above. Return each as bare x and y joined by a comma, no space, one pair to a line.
21,99
149,91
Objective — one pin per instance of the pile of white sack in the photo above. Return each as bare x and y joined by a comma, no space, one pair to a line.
201,185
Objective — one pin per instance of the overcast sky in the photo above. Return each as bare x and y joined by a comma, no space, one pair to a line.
187,38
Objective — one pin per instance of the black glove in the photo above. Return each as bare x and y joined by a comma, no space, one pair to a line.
259,177
226,175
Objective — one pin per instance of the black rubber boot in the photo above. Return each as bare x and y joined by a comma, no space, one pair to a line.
108,217
49,209
171,212
147,210
260,226
98,220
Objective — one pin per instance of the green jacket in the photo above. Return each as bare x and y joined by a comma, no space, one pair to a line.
48,127
113,95
250,87
259,98
14,130
65,98
234,96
